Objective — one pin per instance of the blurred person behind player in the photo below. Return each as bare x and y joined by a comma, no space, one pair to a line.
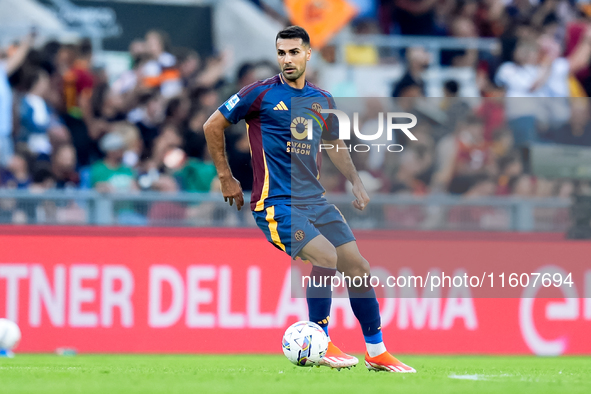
9,63
321,234
161,70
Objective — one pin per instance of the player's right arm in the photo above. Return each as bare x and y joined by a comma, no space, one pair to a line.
214,134
236,108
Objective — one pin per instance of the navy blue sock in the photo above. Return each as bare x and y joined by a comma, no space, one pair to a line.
319,295
367,310
376,338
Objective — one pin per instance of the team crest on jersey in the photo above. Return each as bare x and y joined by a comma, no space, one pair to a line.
299,235
316,107
232,101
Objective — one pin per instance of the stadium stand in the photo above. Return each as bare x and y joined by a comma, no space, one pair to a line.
76,128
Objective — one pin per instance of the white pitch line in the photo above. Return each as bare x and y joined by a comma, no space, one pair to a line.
466,377
477,376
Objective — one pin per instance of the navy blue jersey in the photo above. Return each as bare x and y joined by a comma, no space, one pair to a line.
285,161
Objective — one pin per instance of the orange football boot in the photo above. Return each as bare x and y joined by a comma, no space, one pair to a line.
336,358
386,362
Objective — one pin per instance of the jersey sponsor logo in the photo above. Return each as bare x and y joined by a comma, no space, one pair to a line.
280,107
232,101
299,148
299,127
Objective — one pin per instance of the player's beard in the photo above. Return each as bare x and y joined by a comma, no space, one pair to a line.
293,76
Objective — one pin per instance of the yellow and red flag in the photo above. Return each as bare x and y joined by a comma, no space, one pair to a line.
322,19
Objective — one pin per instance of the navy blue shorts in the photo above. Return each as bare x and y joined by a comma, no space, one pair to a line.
291,227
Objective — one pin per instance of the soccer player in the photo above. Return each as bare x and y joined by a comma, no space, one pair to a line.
291,209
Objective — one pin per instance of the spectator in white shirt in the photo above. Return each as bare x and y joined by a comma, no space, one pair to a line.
35,116
526,77
8,65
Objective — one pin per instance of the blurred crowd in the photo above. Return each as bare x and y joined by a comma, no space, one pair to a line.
64,125
548,37
544,46
464,146
456,18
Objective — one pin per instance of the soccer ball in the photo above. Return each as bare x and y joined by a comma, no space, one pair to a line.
10,335
304,343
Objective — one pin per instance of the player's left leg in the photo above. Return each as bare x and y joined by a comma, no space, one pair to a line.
367,310
322,254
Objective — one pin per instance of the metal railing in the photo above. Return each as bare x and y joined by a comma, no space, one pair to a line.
433,212
391,47
432,44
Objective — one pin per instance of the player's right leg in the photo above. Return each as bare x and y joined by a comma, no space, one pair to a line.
323,256
291,231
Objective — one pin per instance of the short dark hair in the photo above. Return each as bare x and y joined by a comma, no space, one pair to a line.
451,86
244,69
294,32
32,76
85,47
41,174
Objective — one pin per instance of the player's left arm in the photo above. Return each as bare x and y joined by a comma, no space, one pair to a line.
342,160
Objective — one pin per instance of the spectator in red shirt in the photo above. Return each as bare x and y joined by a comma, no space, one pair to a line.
77,78
463,156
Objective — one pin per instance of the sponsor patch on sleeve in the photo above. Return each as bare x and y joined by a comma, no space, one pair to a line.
232,101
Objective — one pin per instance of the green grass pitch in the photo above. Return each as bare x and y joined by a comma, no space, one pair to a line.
243,374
